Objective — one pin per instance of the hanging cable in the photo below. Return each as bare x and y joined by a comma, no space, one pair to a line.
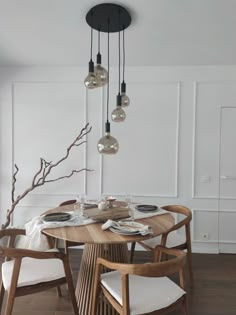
108,65
123,54
99,41
119,61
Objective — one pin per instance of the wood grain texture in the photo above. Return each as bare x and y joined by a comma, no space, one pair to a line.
92,233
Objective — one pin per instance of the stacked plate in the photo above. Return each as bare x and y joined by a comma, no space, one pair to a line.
127,228
146,208
57,217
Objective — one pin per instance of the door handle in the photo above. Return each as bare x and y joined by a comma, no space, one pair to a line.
228,177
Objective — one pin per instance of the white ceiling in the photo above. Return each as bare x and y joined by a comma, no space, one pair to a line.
163,32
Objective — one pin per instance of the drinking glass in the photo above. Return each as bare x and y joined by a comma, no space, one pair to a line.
128,200
79,206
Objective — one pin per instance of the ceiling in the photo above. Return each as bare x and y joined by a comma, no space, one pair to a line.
163,32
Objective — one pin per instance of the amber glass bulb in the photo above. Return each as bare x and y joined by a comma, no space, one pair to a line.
108,144
118,114
91,81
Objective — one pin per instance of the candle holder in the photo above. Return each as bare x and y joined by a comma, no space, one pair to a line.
110,201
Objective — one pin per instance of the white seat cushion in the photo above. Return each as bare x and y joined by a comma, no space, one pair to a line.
146,294
173,239
33,271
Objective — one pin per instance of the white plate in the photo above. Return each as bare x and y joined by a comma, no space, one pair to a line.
127,227
69,220
122,232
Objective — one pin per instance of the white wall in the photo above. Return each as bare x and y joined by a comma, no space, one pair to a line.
174,144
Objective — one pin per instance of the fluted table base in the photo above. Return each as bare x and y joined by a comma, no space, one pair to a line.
84,287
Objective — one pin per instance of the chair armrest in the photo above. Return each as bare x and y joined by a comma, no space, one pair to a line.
20,253
150,269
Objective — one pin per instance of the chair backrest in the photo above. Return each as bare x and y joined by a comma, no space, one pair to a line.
159,269
10,236
68,202
179,210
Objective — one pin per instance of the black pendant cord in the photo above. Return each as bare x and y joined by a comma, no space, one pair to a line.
123,55
119,61
108,69
91,47
99,42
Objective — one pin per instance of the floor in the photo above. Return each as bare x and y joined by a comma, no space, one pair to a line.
214,290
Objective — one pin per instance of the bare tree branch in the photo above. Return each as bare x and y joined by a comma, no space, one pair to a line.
13,184
45,168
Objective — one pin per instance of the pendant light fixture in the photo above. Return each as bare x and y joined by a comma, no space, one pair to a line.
91,81
108,18
100,72
125,101
118,114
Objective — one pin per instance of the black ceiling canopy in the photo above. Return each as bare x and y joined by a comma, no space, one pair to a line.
108,17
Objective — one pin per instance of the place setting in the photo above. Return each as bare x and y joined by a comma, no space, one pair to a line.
127,227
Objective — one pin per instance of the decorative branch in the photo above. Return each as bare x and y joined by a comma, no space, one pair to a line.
41,176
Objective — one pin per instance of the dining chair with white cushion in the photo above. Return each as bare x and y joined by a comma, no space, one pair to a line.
134,289
173,239
27,271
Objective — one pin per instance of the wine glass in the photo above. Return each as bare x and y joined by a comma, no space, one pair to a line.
128,200
79,206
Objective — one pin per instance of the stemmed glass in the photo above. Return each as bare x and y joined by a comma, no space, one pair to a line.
79,206
128,200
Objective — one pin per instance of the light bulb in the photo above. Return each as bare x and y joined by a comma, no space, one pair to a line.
108,144
124,100
118,114
101,75
91,81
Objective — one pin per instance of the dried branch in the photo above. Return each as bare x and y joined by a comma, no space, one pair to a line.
45,168
13,184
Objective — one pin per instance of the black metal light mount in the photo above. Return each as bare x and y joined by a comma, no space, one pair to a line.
118,16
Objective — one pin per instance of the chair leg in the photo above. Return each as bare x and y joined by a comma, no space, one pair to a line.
70,285
190,267
132,249
59,291
185,306
96,291
2,291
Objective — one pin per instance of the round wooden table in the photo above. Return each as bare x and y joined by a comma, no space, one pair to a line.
106,244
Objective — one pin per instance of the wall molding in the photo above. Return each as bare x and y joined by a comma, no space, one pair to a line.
177,141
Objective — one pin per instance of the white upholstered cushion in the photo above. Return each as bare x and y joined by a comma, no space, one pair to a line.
173,240
33,271
146,294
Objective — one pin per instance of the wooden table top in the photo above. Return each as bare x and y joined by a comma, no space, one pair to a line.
92,233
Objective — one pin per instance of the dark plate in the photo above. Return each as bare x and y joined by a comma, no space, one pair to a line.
146,208
57,217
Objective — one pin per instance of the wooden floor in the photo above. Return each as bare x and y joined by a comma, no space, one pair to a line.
214,291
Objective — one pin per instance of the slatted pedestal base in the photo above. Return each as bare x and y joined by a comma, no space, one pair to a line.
84,288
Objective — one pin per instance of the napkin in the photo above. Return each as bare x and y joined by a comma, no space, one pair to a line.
33,228
144,230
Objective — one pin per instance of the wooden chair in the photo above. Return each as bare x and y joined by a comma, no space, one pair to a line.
27,271
68,244
142,288
171,239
